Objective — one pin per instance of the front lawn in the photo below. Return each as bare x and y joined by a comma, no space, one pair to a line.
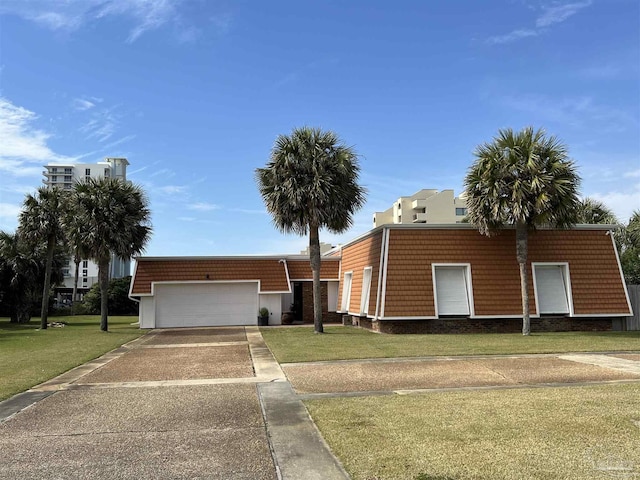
551,433
300,344
29,356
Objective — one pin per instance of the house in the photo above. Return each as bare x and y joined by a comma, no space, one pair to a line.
212,291
450,278
63,176
401,278
424,206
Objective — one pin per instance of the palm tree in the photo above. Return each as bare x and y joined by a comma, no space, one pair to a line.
41,221
22,272
629,248
526,180
19,273
116,216
75,228
592,211
309,183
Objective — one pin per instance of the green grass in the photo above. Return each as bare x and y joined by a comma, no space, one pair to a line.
29,356
338,343
552,433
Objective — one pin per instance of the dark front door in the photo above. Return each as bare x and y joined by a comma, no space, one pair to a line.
297,301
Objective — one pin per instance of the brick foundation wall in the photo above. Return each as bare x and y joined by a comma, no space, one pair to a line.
475,325
307,304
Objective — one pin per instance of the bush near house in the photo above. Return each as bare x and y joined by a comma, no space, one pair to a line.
118,295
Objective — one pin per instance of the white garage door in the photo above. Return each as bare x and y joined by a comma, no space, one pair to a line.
206,304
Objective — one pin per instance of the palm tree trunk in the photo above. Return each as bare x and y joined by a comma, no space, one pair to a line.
76,260
522,248
44,313
103,278
314,254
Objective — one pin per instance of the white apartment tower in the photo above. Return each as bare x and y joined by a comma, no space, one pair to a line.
424,206
64,176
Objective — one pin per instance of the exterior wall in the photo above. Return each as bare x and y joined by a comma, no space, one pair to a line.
494,325
440,208
424,206
307,304
355,257
273,303
270,272
596,284
301,269
147,312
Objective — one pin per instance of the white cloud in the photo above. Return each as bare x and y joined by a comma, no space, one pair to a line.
143,15
512,36
83,104
8,210
163,171
550,15
632,174
172,189
559,13
574,111
203,207
22,143
249,211
623,203
102,125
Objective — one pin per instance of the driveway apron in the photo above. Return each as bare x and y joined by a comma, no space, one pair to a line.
173,404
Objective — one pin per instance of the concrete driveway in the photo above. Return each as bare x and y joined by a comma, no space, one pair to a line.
175,404
213,403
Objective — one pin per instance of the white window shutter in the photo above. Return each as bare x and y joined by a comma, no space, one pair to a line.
551,289
451,290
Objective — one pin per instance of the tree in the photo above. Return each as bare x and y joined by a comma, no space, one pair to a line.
118,294
630,249
40,222
117,219
309,183
525,180
592,211
74,228
22,273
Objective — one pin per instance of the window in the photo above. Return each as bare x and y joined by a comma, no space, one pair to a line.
85,273
54,178
54,170
67,178
68,171
85,263
65,272
85,280
67,186
452,288
87,172
552,288
366,291
346,291
461,211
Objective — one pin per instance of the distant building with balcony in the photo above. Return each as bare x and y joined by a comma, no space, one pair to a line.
64,176
425,206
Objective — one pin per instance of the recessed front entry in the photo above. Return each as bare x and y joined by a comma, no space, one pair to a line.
205,304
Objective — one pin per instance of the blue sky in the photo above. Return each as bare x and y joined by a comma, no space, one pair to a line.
195,92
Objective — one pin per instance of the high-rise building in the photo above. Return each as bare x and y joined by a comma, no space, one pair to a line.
64,176
424,206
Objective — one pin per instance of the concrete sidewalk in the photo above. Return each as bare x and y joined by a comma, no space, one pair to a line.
190,403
